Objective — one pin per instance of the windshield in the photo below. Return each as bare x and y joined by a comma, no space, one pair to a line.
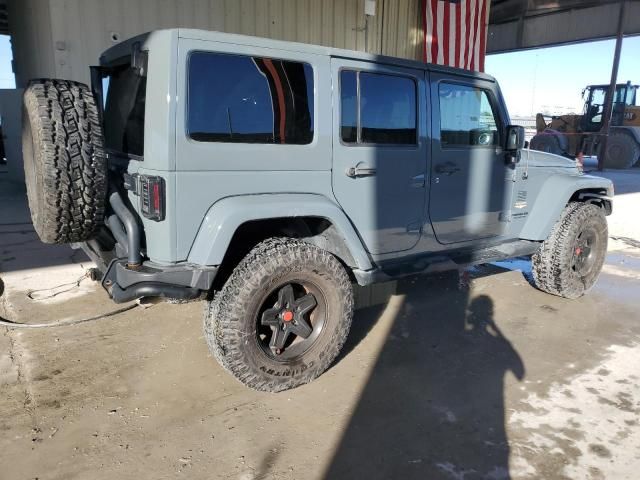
123,91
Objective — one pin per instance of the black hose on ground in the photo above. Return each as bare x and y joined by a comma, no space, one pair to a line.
36,295
65,322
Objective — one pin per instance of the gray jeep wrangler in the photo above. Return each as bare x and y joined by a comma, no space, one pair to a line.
267,177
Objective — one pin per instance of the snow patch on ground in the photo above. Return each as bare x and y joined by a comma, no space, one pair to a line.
587,422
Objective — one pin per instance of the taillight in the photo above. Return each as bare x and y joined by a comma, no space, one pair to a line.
152,197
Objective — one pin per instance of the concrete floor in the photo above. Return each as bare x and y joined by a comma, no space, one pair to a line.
460,376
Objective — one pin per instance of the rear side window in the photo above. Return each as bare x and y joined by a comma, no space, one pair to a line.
242,99
377,108
124,93
467,117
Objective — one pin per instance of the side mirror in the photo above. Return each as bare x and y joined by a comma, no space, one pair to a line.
515,138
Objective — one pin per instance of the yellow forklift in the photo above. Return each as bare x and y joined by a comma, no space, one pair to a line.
573,135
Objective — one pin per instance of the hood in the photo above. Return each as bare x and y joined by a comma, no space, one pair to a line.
544,159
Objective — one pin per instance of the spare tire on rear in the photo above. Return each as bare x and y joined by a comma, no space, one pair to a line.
64,160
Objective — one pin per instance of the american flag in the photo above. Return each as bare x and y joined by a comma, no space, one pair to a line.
455,32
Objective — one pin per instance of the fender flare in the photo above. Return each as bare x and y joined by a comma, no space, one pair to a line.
553,198
226,215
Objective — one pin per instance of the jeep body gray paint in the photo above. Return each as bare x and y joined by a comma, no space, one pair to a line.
395,194
468,200
223,218
551,199
306,179
537,158
159,134
196,192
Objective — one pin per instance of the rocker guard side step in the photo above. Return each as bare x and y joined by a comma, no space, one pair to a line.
440,262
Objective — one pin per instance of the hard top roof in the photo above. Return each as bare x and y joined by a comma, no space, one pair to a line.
232,38
222,37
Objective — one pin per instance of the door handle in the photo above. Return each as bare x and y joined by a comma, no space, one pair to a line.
357,171
448,168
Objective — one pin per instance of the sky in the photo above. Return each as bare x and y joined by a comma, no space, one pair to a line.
7,79
550,80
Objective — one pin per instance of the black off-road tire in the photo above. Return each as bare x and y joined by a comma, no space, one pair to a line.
623,150
230,319
64,160
552,264
546,142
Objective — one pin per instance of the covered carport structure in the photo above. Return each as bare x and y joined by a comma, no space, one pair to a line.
526,24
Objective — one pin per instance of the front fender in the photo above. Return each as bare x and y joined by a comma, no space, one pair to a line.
225,216
553,198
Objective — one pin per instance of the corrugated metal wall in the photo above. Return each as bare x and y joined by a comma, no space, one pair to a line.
62,38
30,28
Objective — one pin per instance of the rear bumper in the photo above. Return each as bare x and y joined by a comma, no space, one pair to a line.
181,281
125,276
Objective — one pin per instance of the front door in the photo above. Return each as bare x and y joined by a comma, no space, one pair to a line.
471,181
379,152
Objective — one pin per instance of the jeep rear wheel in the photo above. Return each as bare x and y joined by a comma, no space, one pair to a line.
570,260
64,160
282,316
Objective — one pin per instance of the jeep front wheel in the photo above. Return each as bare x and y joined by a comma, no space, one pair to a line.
282,316
570,260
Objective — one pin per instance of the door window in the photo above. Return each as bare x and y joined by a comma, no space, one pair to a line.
377,108
349,106
467,118
242,99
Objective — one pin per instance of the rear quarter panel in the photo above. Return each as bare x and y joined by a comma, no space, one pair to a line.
207,172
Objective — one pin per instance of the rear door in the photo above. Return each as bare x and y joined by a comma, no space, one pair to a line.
379,155
471,180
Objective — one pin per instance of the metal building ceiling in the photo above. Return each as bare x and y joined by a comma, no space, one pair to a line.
4,19
522,24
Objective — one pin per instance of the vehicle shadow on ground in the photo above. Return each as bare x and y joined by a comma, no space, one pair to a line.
433,406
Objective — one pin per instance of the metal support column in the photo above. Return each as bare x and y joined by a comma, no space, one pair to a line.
608,109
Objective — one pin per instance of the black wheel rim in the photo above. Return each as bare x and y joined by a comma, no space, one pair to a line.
290,320
584,249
